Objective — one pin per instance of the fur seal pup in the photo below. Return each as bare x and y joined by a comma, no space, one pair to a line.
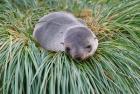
61,31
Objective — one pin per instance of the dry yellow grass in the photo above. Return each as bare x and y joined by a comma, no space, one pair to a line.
87,16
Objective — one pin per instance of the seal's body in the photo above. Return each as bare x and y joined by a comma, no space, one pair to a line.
61,31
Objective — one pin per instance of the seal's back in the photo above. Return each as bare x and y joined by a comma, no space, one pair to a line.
50,29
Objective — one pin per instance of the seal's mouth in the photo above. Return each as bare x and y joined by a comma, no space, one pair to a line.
81,58
78,58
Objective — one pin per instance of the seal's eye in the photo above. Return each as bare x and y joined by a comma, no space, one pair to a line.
67,49
89,47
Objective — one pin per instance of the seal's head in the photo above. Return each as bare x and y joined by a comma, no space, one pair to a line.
80,42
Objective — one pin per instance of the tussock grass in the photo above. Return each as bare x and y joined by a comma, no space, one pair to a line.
26,68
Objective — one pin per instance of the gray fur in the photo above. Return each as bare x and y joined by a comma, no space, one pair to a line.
57,28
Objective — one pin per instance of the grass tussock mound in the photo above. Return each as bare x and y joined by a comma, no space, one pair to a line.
25,68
